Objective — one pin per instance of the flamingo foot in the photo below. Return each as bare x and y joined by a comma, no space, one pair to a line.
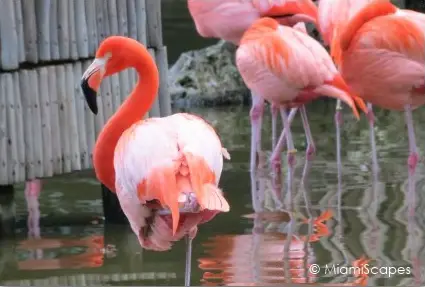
412,162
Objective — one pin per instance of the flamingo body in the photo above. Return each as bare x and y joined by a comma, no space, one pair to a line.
229,19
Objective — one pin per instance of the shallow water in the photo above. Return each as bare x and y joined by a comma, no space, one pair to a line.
77,248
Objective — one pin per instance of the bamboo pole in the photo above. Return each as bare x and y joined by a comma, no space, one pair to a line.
8,36
19,30
163,93
54,37
63,29
25,88
42,10
65,130
36,123
141,21
90,123
90,6
122,19
132,19
54,121
46,129
113,17
19,128
73,50
30,32
72,118
81,120
3,132
154,26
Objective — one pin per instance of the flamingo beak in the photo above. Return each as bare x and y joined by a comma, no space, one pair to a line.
90,82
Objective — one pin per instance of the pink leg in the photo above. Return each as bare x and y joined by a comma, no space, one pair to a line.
274,111
311,148
371,118
412,160
291,151
32,192
338,124
276,154
256,115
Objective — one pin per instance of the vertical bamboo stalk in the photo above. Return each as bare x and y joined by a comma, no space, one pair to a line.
154,26
132,19
163,93
91,26
42,8
113,18
46,128
19,30
54,37
36,124
141,21
72,118
12,150
30,31
65,130
81,28
3,132
155,109
8,36
63,29
24,85
19,128
99,21
90,124
73,50
81,121
122,19
54,120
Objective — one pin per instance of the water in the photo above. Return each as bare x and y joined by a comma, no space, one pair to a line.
78,248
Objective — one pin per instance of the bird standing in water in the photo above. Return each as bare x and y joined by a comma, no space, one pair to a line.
381,54
289,68
332,16
165,171
228,20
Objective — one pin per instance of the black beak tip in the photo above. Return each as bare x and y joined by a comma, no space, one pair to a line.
90,96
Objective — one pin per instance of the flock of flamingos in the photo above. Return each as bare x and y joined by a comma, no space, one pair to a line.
165,171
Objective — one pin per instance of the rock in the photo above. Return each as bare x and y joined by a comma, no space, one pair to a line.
207,77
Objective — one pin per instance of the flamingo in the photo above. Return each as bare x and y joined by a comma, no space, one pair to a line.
381,54
289,68
332,16
229,19
165,171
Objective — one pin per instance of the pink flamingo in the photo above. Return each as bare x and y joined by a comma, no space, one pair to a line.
289,68
332,16
165,171
381,54
229,19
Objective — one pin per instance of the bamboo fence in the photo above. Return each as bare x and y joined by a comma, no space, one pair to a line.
45,46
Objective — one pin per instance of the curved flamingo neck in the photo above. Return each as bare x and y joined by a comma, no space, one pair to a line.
132,110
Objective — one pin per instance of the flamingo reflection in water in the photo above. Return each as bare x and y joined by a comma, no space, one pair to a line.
269,256
35,244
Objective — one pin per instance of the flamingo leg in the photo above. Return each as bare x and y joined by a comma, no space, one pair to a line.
32,192
311,148
275,158
188,267
274,109
338,124
291,150
371,118
412,160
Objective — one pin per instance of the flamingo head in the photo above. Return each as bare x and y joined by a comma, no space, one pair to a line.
114,54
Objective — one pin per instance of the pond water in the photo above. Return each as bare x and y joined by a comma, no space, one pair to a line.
76,246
